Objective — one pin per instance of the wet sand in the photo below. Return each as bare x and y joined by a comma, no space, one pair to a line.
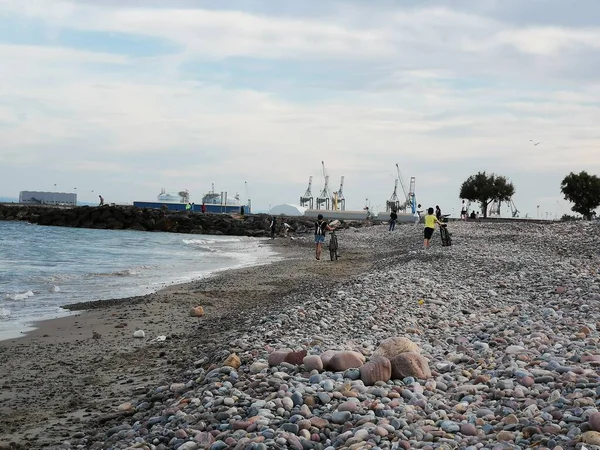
63,378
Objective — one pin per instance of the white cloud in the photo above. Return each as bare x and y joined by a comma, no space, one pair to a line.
548,41
408,100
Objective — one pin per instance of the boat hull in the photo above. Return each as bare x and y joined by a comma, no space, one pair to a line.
210,208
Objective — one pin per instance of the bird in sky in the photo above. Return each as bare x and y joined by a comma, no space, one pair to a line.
535,144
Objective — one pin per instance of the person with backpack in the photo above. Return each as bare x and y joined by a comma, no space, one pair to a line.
393,219
321,228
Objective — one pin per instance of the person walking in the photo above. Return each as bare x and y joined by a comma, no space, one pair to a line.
438,212
273,226
393,219
463,211
203,208
321,227
101,201
419,213
430,221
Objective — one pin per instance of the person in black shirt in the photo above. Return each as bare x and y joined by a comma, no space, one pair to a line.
321,227
438,212
393,219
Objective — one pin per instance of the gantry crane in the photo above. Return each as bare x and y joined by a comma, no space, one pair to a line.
307,199
513,208
338,201
408,196
393,204
495,205
412,197
325,196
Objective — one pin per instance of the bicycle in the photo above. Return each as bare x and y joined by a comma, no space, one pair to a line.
333,246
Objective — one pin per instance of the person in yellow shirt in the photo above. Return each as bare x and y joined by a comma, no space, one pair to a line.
430,221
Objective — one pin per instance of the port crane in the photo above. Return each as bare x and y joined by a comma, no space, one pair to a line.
409,196
494,209
393,204
307,201
513,208
338,201
325,196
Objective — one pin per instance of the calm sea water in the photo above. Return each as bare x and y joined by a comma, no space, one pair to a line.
42,268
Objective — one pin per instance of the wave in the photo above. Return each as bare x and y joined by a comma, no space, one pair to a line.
116,273
21,296
4,313
211,241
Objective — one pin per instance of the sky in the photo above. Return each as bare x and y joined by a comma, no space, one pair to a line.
123,98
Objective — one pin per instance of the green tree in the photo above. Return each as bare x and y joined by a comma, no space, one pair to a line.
484,188
583,190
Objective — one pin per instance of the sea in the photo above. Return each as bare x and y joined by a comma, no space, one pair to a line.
43,268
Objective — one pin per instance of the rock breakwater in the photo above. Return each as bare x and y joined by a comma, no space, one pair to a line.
133,218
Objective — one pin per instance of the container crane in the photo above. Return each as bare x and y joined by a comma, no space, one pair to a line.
412,197
513,208
393,204
338,201
325,196
307,201
407,197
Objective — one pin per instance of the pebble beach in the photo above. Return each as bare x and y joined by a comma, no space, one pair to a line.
491,343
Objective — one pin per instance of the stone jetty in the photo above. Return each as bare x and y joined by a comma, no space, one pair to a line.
141,219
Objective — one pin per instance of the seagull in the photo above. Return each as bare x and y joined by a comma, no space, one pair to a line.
534,143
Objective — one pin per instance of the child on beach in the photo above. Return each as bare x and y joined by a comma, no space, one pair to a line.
430,221
321,227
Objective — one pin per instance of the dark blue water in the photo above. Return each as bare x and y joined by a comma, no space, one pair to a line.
42,268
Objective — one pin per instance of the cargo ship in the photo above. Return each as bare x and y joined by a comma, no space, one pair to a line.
214,202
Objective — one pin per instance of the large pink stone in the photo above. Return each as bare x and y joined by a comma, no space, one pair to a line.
394,346
345,360
594,421
326,357
295,358
410,364
276,357
379,368
313,362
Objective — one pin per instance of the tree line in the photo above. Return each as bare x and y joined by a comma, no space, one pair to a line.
581,189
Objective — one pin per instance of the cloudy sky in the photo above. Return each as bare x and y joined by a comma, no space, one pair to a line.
125,97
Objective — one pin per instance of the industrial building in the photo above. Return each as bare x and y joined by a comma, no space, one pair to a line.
47,198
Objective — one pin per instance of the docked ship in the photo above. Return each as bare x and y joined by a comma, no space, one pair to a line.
214,202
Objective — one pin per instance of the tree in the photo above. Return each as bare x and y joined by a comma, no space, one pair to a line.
485,189
583,190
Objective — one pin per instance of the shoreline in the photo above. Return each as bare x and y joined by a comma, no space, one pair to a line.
21,328
84,377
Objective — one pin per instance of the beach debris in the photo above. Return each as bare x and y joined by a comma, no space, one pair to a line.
197,311
96,335
139,334
121,325
233,360
161,338
126,407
